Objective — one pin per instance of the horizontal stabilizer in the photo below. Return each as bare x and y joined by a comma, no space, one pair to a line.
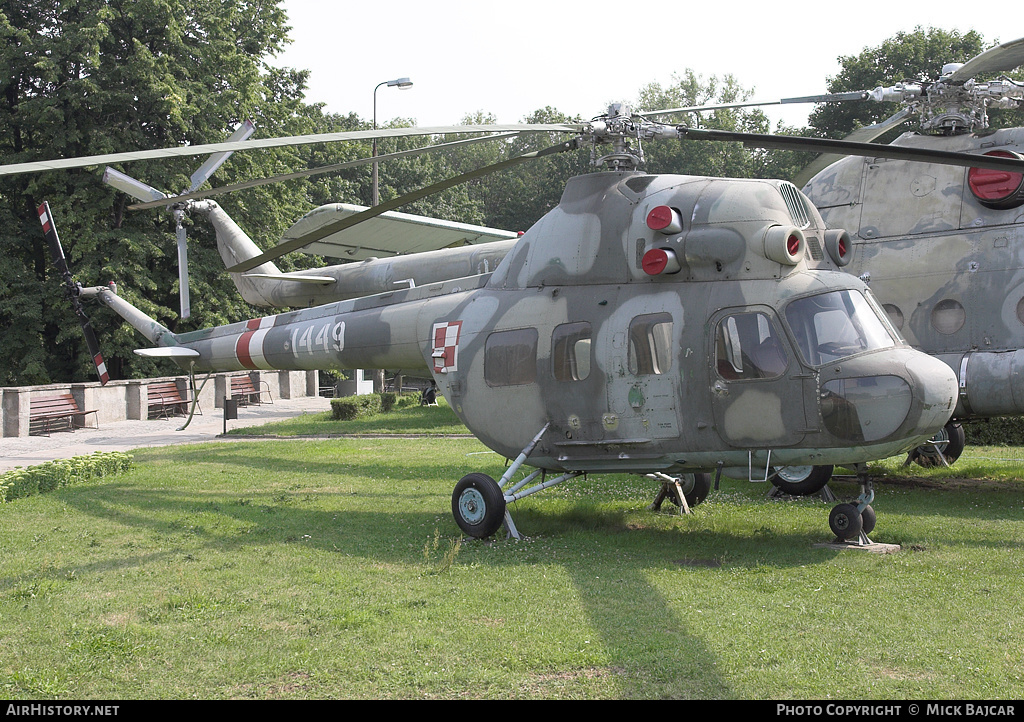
167,352
389,234
297,278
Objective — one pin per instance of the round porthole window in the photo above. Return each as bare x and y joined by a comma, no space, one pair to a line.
896,315
1020,310
948,316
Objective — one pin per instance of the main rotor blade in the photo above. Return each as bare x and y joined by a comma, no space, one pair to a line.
702,108
287,141
862,135
867,150
830,98
994,60
314,171
332,228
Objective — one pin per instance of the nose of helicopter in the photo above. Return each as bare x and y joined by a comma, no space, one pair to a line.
936,387
902,396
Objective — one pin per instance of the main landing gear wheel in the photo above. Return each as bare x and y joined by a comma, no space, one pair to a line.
696,488
948,443
801,480
478,505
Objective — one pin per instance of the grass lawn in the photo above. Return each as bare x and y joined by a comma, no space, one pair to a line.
318,568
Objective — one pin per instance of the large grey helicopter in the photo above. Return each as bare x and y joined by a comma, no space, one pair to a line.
943,248
676,326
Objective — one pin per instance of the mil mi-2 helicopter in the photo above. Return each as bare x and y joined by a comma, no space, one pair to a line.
654,324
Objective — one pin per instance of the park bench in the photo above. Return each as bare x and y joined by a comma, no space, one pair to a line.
165,399
52,413
246,392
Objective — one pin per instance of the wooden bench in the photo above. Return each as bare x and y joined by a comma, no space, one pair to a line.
165,400
51,413
243,389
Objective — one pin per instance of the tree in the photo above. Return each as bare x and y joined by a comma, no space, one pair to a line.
92,76
702,158
918,55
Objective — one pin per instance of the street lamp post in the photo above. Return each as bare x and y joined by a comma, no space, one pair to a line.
401,83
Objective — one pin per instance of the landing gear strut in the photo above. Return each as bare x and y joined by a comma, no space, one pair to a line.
684,491
480,504
852,522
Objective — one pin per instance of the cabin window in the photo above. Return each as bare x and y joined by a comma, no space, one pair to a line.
747,346
650,344
510,357
570,351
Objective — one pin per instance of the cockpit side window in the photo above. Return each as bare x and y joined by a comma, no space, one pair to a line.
747,346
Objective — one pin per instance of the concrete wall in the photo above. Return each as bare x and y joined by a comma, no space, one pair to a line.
125,400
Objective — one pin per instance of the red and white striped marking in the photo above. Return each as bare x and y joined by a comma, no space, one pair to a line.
44,217
101,369
249,345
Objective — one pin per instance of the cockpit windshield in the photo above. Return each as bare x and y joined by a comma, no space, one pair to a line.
834,325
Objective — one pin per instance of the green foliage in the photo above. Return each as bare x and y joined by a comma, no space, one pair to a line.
712,159
91,77
352,407
57,474
1002,431
910,56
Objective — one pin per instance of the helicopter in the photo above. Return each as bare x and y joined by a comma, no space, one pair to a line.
675,326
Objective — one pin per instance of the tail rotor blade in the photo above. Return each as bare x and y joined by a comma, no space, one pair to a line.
216,160
72,290
179,232
134,188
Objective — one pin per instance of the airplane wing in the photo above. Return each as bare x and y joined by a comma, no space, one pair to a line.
389,234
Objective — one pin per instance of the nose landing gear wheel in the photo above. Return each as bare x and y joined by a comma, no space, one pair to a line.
846,521
478,505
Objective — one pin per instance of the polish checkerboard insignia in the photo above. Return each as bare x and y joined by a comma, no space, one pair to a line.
446,346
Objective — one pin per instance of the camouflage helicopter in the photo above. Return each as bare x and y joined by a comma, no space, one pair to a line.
657,324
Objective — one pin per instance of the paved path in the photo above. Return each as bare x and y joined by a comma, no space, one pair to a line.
125,435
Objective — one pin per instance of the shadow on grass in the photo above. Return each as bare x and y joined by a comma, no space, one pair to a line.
353,497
